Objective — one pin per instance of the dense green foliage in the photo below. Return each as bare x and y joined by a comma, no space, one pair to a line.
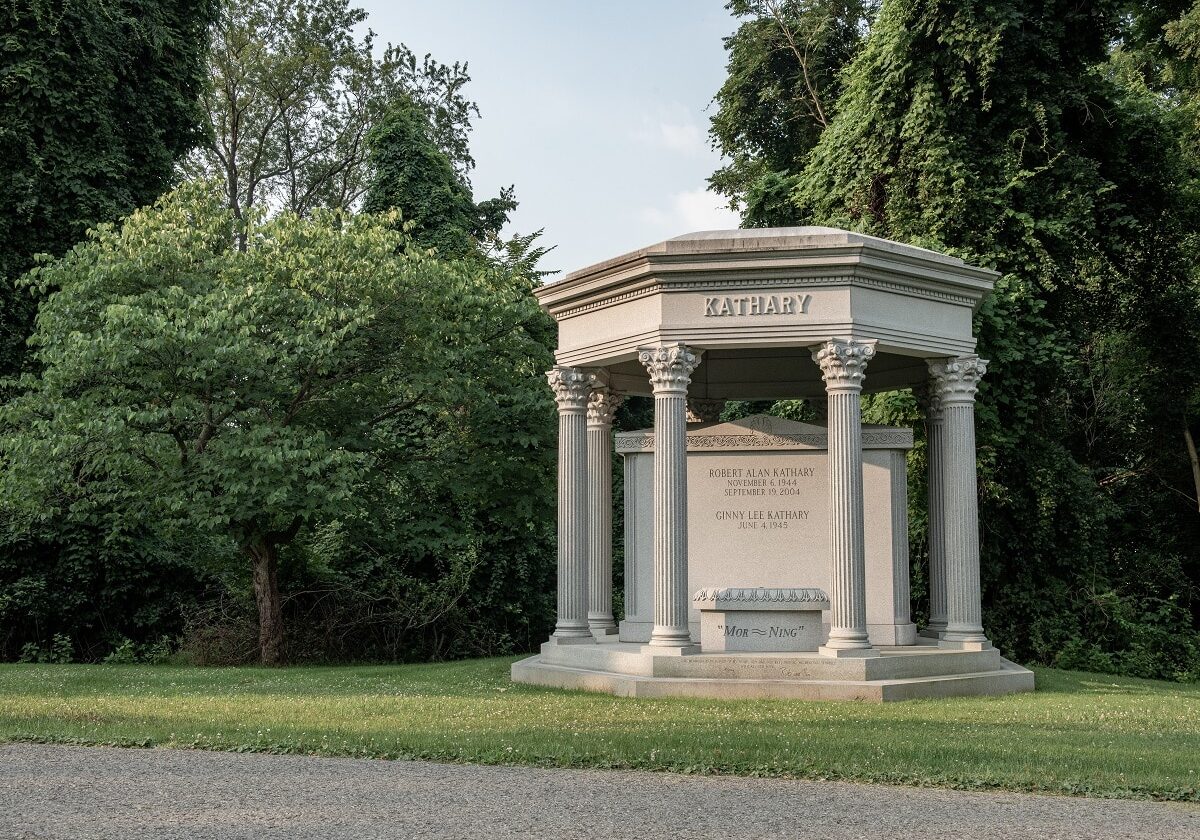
325,381
783,86
1008,133
364,421
1079,734
411,174
293,92
97,102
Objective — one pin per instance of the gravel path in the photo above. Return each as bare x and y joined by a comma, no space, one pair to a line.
79,792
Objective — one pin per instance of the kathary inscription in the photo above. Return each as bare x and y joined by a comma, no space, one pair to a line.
762,491
716,307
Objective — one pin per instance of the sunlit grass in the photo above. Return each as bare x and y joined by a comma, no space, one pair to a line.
1079,733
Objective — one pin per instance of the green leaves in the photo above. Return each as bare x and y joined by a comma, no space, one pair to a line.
330,373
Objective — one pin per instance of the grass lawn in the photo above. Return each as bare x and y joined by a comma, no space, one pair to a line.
1078,734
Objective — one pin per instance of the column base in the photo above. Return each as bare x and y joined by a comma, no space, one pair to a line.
560,641
673,650
601,630
968,644
848,653
892,635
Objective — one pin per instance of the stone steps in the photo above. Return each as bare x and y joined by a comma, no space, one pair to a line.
1005,678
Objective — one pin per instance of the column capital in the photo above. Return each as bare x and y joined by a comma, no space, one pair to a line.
571,387
670,366
844,363
602,404
929,400
956,380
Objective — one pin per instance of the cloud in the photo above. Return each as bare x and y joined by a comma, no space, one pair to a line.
688,211
675,130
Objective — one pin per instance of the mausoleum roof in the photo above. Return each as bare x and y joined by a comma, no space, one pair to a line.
755,300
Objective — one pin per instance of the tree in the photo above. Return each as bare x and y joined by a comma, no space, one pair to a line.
247,393
411,174
293,94
780,94
100,100
1000,132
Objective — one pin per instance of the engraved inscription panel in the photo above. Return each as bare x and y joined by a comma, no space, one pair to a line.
758,519
760,630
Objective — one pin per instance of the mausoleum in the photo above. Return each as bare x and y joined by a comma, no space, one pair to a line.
765,557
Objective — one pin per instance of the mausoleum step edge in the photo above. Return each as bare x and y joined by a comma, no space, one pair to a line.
631,660
1008,678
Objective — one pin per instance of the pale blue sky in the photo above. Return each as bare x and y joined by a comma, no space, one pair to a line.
597,111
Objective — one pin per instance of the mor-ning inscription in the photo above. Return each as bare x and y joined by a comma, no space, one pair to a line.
773,631
716,307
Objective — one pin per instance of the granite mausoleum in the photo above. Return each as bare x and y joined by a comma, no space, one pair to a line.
765,557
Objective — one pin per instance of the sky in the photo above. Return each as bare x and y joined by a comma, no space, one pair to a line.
597,112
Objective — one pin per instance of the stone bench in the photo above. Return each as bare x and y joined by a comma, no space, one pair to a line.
760,619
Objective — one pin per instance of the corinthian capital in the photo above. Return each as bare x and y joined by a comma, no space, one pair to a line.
602,404
670,367
844,363
571,387
929,400
957,379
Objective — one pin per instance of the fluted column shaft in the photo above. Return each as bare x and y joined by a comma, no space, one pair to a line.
956,381
601,405
571,390
843,367
935,426
670,368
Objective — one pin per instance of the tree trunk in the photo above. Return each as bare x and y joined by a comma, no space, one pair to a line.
1193,457
266,593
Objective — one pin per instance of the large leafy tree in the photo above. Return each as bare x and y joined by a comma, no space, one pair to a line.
293,93
254,393
783,84
97,102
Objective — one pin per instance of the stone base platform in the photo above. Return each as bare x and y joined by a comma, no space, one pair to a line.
899,673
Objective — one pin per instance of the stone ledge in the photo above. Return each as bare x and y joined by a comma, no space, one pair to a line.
893,665
1007,679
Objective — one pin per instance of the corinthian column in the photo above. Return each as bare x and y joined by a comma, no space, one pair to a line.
670,368
843,367
956,381
601,405
935,436
571,389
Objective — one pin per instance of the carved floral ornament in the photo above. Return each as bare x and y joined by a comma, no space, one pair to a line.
844,363
602,404
760,594
571,387
670,366
956,380
929,400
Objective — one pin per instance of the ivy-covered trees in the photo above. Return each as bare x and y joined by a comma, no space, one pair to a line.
98,103
1003,132
785,63
409,173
